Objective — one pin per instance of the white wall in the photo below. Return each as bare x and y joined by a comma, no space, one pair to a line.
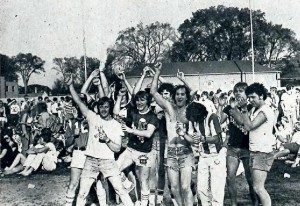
212,82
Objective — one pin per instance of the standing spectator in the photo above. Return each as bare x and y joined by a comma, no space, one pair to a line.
289,104
54,106
259,122
237,143
205,127
207,102
14,113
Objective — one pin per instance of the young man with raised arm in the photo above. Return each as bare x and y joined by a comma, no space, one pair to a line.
102,143
180,154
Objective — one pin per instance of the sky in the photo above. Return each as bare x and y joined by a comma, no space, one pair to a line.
54,28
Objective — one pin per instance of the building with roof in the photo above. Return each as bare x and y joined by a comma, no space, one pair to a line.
8,89
212,75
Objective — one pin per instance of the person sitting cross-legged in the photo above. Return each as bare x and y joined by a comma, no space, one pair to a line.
44,153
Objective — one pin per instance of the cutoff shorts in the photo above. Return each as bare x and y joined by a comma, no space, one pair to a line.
94,166
238,153
180,157
261,161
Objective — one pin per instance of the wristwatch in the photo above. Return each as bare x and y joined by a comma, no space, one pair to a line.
107,141
244,111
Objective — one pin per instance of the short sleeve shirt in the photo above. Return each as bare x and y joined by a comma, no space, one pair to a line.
113,130
141,122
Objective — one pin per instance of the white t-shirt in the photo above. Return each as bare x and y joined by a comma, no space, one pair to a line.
14,109
54,107
289,101
52,154
113,130
261,139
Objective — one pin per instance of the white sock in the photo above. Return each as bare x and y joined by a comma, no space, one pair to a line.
174,202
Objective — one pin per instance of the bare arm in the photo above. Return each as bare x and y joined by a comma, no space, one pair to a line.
258,121
3,153
139,84
87,83
104,82
76,98
180,76
142,133
117,107
123,78
166,105
115,146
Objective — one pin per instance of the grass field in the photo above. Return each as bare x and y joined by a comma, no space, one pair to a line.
49,188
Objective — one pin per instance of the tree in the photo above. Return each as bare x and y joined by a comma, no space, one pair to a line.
26,65
59,87
75,66
223,33
7,68
278,43
142,44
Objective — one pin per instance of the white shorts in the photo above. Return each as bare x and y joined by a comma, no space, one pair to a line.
139,158
78,159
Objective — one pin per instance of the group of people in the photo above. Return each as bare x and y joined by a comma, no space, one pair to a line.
125,139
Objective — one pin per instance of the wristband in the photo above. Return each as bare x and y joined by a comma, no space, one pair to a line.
107,141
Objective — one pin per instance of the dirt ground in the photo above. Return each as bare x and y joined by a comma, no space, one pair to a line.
49,188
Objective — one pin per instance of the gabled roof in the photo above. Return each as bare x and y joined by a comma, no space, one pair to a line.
205,67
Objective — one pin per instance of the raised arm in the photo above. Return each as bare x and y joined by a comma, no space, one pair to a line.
139,84
181,77
117,107
166,105
104,82
87,83
83,108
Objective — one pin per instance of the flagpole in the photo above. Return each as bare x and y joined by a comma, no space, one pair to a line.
84,43
252,46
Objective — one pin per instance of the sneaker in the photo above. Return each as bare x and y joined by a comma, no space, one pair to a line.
137,203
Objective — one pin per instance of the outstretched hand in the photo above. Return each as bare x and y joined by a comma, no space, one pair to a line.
180,75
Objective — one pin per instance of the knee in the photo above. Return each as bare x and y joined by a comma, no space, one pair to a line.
175,190
258,189
186,189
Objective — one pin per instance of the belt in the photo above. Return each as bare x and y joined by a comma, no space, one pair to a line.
179,149
83,148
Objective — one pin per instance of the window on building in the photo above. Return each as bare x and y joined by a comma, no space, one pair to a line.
6,88
13,88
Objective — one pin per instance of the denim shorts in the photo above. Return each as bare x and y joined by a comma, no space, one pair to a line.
180,157
238,153
94,166
261,161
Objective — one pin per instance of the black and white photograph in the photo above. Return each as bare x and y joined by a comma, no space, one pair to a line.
149,103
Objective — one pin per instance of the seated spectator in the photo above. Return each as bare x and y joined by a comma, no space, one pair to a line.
9,149
291,147
42,154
